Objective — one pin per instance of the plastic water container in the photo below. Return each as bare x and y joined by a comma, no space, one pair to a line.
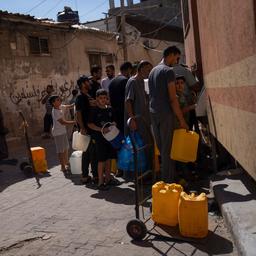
38,153
40,165
165,200
76,162
114,136
184,146
80,142
193,215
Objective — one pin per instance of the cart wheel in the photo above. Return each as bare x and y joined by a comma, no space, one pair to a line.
150,207
22,165
136,229
28,171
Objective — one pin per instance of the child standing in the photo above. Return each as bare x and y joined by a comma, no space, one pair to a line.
185,108
99,116
59,131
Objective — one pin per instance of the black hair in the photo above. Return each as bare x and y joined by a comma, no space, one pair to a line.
81,80
111,66
142,64
171,50
178,77
74,92
101,92
95,69
53,98
125,66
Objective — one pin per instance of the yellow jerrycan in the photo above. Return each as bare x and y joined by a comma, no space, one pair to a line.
39,159
193,215
184,146
165,200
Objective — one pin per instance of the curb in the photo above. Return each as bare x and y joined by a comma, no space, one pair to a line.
235,193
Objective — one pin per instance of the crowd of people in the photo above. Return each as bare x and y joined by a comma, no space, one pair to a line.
169,105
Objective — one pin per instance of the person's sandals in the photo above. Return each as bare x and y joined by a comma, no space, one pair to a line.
85,180
103,187
113,182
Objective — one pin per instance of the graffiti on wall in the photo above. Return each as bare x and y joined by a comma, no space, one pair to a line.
35,93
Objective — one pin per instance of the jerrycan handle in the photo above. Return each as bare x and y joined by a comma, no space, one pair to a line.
102,129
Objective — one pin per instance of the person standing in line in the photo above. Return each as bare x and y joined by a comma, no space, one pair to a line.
110,72
117,97
99,116
96,73
117,93
59,131
164,105
48,122
83,105
136,100
136,104
191,87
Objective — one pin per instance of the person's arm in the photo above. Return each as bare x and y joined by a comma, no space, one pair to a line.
188,108
79,120
129,99
129,108
45,98
66,122
97,128
175,105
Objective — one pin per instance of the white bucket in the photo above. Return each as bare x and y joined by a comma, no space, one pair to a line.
113,132
76,162
80,142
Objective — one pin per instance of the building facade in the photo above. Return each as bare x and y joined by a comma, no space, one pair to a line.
219,39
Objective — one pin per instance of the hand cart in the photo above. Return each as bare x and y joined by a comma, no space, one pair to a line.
28,167
136,228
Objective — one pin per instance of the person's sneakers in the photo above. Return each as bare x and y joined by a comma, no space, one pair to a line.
85,180
103,187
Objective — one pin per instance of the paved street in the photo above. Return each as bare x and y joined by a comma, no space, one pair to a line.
63,218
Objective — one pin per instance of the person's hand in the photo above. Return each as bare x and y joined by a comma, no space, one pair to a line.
183,125
83,131
133,125
105,130
73,122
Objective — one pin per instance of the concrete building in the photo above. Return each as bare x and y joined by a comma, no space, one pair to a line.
35,53
150,26
220,41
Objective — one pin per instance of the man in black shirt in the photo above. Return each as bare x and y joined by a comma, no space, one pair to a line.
117,93
83,104
96,72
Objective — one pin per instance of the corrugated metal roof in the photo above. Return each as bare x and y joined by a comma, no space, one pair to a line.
17,17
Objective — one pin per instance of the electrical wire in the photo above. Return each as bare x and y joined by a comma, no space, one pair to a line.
165,25
95,8
36,6
52,8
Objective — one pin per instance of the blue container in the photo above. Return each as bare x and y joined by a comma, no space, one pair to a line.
125,156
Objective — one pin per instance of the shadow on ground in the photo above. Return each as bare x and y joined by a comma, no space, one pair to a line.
171,237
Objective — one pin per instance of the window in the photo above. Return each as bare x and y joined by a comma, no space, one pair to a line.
185,11
109,58
94,59
38,45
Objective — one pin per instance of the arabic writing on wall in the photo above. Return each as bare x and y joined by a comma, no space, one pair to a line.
64,91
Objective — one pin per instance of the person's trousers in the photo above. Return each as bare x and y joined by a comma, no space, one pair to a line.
47,123
163,127
90,157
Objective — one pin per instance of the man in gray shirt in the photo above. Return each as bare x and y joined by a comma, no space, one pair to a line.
163,108
136,104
